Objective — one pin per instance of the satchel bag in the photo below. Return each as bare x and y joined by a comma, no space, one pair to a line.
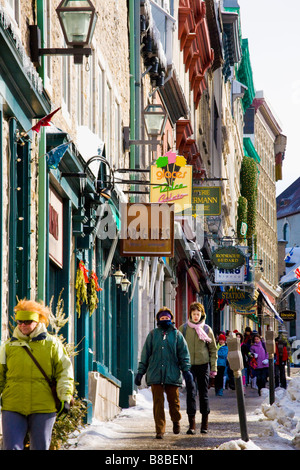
51,383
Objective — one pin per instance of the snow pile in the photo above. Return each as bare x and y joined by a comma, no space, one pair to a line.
284,413
238,445
94,435
283,416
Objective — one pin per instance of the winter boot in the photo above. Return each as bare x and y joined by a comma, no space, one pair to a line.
192,425
204,424
176,427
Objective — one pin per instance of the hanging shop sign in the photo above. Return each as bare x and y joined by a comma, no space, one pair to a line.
230,276
238,298
55,228
246,311
288,315
171,181
209,196
147,230
228,257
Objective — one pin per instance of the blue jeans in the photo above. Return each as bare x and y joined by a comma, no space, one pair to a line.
38,425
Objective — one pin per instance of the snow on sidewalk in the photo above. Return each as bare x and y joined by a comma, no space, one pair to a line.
281,430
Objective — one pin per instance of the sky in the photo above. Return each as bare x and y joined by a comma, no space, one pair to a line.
272,30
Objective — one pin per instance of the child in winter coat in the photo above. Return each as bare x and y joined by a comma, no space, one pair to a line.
258,352
221,364
281,357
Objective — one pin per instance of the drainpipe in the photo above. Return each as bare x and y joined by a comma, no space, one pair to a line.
42,187
127,319
1,210
135,88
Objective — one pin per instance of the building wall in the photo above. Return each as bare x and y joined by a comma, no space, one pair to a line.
266,204
15,23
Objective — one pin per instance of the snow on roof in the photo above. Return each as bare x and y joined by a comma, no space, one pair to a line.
292,260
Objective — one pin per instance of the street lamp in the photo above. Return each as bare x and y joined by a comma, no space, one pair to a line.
118,275
125,283
155,118
77,19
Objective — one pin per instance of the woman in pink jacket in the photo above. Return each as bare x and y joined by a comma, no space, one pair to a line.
258,351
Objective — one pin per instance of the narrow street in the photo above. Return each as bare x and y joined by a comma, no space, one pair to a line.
134,430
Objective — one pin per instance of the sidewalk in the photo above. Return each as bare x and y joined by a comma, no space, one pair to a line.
134,428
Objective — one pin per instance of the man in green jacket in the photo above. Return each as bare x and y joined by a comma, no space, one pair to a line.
28,404
165,354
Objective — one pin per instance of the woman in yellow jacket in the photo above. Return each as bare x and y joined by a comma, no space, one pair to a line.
27,402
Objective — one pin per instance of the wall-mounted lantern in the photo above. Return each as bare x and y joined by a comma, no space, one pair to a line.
155,118
77,19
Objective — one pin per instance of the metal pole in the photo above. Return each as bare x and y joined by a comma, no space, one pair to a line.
271,379
241,404
235,360
270,347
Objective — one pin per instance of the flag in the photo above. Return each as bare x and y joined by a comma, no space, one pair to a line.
287,259
298,288
297,272
55,155
45,121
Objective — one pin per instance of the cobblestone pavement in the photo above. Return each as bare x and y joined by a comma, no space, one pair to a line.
224,426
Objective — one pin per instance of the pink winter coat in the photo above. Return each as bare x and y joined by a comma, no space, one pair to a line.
257,348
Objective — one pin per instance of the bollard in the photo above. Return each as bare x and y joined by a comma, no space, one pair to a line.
270,347
235,360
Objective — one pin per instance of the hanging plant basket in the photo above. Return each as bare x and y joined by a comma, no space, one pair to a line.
92,289
81,286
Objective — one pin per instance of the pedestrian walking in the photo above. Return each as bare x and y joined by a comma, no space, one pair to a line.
259,353
28,404
165,354
281,356
246,348
203,351
221,364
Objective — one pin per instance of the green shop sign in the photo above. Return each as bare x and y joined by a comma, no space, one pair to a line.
228,257
238,298
209,196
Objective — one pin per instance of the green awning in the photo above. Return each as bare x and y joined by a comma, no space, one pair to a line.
249,149
245,75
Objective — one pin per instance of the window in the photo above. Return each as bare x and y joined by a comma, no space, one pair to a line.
286,232
165,4
47,35
14,9
91,97
66,82
117,137
108,123
100,101
162,11
79,100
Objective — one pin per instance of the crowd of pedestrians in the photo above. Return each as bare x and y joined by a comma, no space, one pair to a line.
201,357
